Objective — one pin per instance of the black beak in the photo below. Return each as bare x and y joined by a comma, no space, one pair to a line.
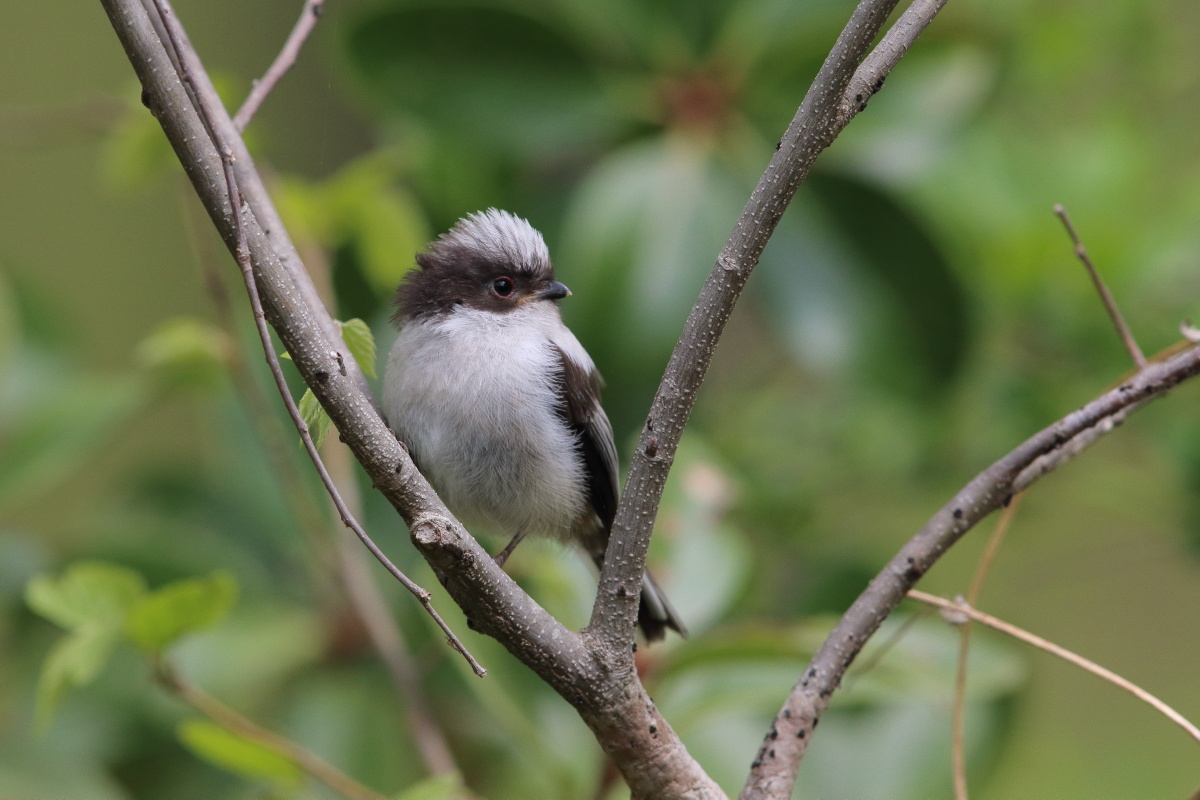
554,291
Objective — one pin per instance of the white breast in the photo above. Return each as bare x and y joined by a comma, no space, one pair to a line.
473,396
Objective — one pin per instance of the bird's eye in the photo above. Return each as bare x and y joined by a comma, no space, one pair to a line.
503,287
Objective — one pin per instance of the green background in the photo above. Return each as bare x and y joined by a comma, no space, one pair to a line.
917,315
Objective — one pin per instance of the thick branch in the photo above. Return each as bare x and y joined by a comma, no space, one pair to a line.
775,769
811,131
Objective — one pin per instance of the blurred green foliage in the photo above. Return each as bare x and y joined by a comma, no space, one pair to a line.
917,314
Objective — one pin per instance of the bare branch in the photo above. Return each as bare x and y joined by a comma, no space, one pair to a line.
357,581
811,131
283,62
1110,305
371,608
988,491
964,608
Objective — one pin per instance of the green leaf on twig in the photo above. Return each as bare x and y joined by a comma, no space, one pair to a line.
91,601
237,754
361,342
160,618
314,416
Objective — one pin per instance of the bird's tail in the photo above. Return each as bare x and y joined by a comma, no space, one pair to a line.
655,612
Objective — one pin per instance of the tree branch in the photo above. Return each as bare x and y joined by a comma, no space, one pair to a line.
774,770
282,63
254,192
812,130
869,77
958,718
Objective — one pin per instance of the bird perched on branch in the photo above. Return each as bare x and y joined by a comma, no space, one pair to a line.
497,401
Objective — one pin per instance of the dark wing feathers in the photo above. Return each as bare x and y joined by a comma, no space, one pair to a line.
581,411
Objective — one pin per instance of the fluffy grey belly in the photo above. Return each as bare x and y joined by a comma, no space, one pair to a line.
503,484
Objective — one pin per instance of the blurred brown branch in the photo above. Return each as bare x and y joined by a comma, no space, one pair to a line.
959,718
315,766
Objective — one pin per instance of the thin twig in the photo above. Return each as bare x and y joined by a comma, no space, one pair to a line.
315,766
283,62
356,581
385,635
961,607
959,716
250,183
1110,305
242,256
270,431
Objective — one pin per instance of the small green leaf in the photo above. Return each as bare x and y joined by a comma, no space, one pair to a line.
361,342
366,207
91,600
89,592
75,660
186,352
179,608
236,754
315,417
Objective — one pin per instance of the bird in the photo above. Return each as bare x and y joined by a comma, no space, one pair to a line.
498,403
